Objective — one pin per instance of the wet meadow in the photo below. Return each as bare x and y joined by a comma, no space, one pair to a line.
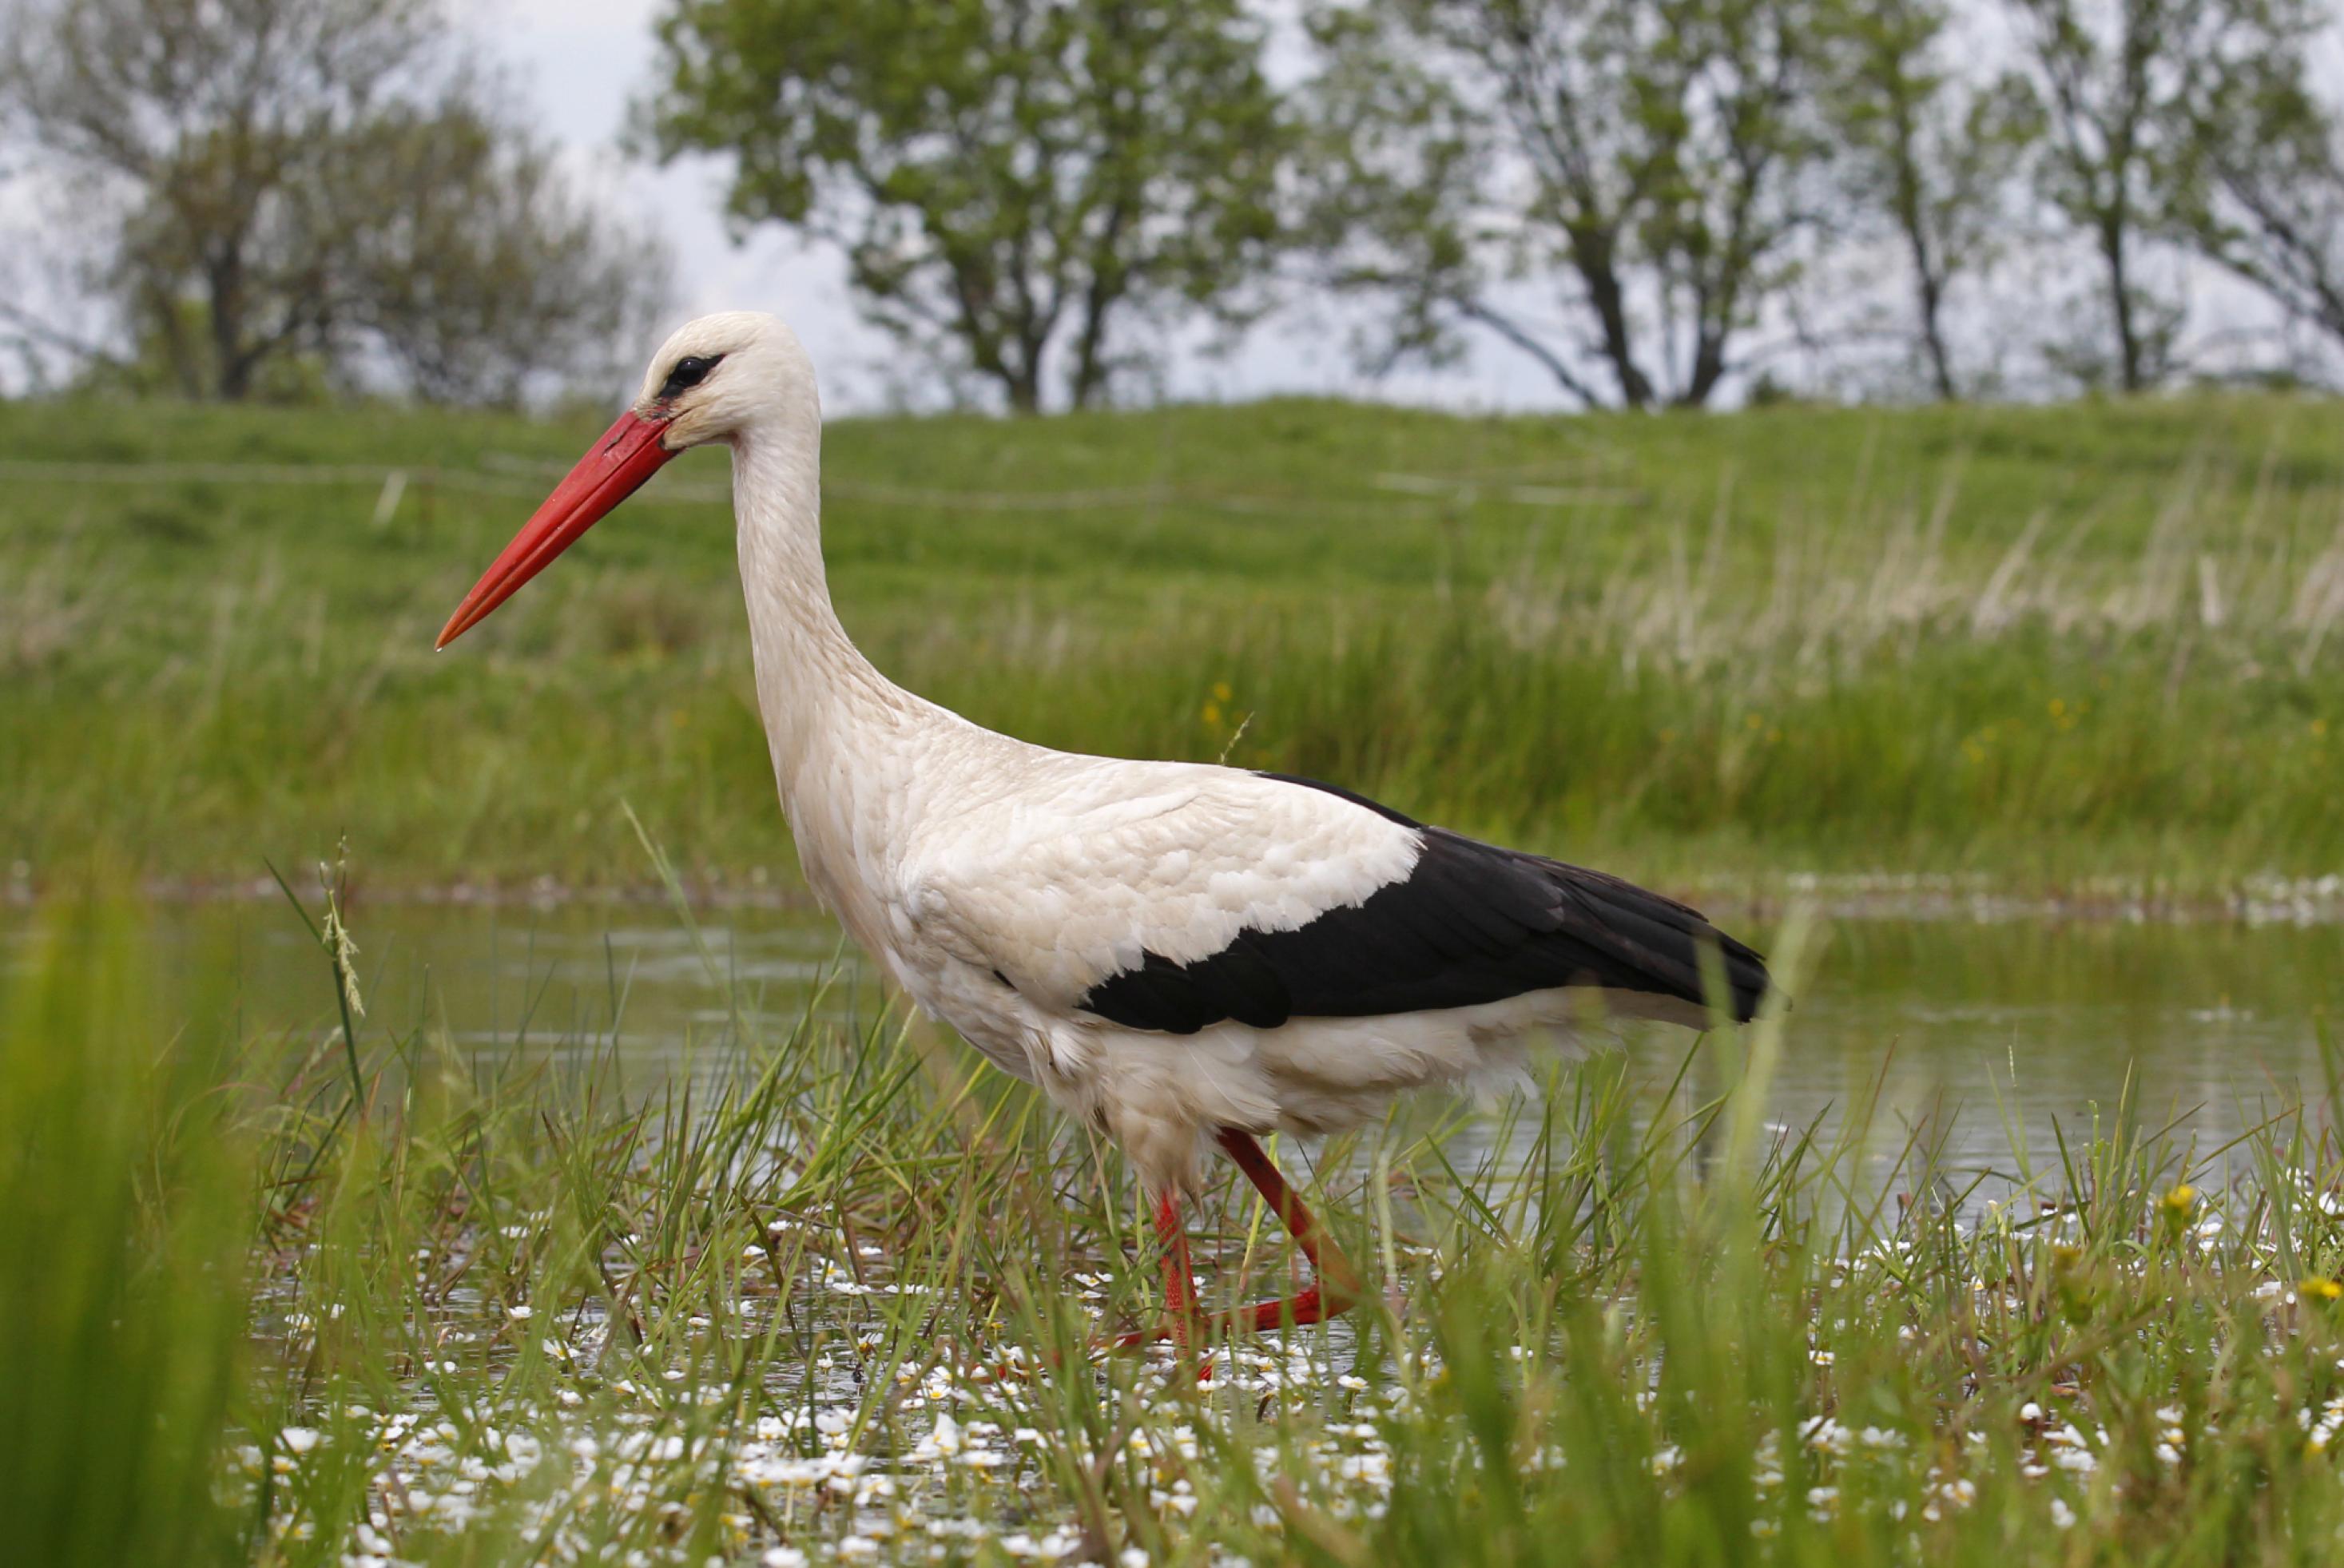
435,1128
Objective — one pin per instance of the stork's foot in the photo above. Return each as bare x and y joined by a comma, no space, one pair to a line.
1336,1291
1189,1331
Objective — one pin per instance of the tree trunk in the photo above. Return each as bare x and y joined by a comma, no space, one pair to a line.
1928,282
2130,371
1933,338
1028,351
1090,378
1708,365
1929,300
1090,344
185,359
1712,326
231,364
1591,257
1024,384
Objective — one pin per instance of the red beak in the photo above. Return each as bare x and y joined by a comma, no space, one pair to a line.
613,469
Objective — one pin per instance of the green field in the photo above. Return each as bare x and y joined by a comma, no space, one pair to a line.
2047,645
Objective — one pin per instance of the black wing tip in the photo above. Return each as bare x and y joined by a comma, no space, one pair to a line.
1670,944
1748,981
1747,978
1691,974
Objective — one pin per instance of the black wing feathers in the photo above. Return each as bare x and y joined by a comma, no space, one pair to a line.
1471,924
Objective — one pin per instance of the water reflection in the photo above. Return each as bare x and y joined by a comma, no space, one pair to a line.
1987,1030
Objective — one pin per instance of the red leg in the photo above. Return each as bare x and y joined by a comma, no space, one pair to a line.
1179,1276
1182,1319
1338,1287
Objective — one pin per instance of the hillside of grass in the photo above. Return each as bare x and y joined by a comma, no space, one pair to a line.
2045,645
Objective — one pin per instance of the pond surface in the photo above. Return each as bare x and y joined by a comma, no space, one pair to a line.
2001,1034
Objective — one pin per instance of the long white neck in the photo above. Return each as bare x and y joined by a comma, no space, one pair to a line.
819,695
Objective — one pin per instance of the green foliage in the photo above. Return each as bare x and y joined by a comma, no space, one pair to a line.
1658,155
1015,186
474,269
301,185
1930,150
1662,169
2121,85
2264,194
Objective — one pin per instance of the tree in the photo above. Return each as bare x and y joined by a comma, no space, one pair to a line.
1013,182
1662,156
491,273
1933,153
2265,192
2120,81
259,161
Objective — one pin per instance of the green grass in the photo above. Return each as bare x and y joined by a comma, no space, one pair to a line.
2042,644
829,1291
126,1195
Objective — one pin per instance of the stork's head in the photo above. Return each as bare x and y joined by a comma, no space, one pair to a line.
720,375
715,380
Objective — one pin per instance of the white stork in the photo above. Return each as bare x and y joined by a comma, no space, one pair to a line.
1173,952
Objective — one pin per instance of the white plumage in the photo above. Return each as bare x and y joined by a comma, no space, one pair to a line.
1173,952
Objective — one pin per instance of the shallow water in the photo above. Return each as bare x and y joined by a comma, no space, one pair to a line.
1997,1032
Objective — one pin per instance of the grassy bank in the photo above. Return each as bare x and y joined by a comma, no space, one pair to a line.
370,1298
2042,643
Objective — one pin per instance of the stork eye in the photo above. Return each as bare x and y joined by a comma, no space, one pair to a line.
689,372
